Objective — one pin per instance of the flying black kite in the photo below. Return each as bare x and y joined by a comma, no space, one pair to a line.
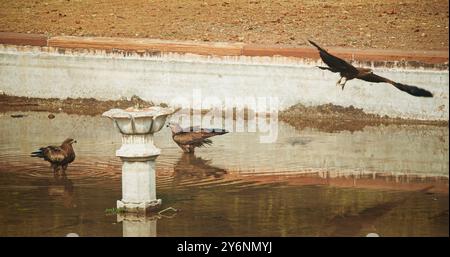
348,72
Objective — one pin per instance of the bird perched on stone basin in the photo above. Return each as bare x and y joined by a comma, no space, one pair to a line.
348,72
59,157
190,138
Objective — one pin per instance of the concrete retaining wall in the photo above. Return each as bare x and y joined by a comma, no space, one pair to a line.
61,72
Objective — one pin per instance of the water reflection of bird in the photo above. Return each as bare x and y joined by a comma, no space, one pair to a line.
190,138
352,224
63,188
348,72
191,166
58,156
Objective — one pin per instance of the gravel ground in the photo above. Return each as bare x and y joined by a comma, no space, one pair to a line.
403,25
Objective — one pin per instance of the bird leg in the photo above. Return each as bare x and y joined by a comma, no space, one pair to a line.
343,80
55,168
56,176
338,83
185,148
64,167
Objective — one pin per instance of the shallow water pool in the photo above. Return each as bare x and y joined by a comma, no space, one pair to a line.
390,180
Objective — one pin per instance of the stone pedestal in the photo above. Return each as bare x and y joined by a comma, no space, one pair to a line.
138,154
138,186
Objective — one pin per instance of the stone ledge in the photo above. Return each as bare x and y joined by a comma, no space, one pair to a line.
132,44
12,38
221,49
372,55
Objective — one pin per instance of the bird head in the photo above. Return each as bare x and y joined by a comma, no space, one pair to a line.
175,127
69,141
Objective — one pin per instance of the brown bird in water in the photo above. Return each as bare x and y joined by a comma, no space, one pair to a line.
348,72
190,138
58,156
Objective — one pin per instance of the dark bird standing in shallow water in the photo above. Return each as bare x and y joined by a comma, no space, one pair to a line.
348,72
189,138
58,156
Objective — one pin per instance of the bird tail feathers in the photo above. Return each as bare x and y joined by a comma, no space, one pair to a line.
207,142
38,154
412,90
221,132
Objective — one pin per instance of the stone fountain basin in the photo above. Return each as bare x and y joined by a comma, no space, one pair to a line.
139,121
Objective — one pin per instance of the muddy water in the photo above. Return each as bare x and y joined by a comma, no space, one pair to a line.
391,180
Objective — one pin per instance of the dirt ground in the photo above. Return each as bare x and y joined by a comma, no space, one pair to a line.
403,24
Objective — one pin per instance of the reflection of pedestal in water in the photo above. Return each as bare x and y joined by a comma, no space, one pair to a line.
138,154
137,225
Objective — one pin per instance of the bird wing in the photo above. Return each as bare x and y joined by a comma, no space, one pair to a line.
412,90
198,129
189,138
191,128
214,131
54,154
336,64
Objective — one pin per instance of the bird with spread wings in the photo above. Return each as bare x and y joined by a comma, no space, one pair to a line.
348,72
190,138
57,156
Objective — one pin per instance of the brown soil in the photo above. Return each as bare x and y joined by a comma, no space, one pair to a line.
406,24
327,118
